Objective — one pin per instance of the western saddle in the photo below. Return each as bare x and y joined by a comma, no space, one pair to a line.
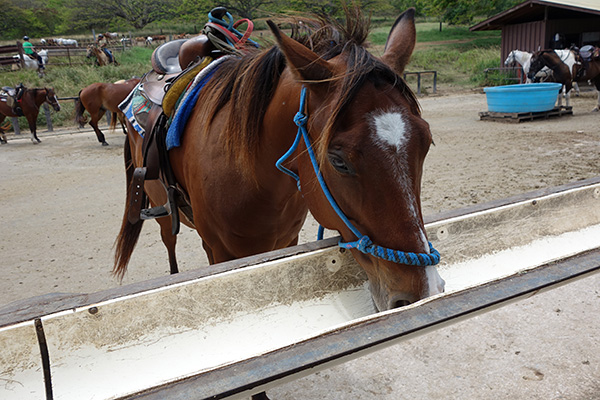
174,65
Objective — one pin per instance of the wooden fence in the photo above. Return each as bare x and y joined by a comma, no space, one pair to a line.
10,59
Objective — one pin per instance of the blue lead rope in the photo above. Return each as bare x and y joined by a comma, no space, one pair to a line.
364,244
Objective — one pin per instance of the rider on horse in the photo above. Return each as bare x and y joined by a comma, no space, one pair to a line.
30,51
102,42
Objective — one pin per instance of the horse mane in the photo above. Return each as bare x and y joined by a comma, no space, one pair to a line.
246,84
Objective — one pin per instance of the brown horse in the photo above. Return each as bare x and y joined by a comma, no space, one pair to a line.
98,98
369,142
566,70
100,56
31,101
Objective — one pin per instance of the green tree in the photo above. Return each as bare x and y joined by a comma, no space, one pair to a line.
137,13
26,17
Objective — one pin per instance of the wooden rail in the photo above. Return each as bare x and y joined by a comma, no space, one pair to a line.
418,74
12,49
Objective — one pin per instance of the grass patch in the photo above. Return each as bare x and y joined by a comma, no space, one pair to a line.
458,55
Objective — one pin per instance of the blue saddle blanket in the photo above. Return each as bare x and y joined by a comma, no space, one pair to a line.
187,103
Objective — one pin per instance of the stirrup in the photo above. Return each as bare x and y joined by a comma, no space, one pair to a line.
156,212
169,208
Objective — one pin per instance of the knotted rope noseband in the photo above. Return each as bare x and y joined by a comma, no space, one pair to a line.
364,243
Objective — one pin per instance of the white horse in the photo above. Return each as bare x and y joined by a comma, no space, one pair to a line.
66,42
32,63
523,58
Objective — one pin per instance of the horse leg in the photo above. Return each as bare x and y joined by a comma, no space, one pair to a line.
2,131
33,129
209,253
94,124
170,241
122,121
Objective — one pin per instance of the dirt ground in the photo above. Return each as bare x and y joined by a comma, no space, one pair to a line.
63,201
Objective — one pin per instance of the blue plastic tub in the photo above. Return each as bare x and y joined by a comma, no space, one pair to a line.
532,97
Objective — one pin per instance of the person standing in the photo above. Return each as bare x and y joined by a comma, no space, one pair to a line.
30,51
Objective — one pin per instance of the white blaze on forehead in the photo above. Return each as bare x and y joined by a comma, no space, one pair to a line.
391,129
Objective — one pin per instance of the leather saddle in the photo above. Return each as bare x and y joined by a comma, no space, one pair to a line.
174,65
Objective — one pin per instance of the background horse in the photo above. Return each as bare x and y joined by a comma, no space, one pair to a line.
32,63
101,57
564,68
66,42
31,101
523,58
369,141
98,98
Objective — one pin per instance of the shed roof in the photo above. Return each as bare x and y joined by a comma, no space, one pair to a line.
534,10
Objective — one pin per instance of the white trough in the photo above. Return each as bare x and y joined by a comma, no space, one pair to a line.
237,328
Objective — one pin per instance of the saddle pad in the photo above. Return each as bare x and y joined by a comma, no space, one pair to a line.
136,107
187,103
180,85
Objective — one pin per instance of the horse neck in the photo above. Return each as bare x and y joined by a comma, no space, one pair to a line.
277,137
523,57
39,96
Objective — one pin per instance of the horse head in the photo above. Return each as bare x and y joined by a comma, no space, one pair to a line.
370,144
92,50
52,99
510,59
539,60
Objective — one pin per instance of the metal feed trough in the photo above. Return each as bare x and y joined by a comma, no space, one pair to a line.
240,327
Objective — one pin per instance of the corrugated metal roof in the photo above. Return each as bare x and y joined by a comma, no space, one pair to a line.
589,4
534,10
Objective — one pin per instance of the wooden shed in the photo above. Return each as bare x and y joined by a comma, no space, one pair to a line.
546,24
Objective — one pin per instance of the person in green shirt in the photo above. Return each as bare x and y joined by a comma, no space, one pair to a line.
30,50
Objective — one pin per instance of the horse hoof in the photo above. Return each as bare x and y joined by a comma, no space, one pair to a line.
104,144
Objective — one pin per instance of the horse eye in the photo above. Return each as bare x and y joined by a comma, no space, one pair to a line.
340,165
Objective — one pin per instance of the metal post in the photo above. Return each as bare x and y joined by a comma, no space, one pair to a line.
434,81
108,114
15,124
48,118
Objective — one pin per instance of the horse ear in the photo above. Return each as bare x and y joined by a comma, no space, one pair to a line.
307,65
401,41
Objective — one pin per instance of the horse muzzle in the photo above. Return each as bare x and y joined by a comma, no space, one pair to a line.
395,285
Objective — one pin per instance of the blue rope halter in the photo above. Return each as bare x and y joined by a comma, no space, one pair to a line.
364,244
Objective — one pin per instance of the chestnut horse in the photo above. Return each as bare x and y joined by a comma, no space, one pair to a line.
566,70
98,98
357,147
31,101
